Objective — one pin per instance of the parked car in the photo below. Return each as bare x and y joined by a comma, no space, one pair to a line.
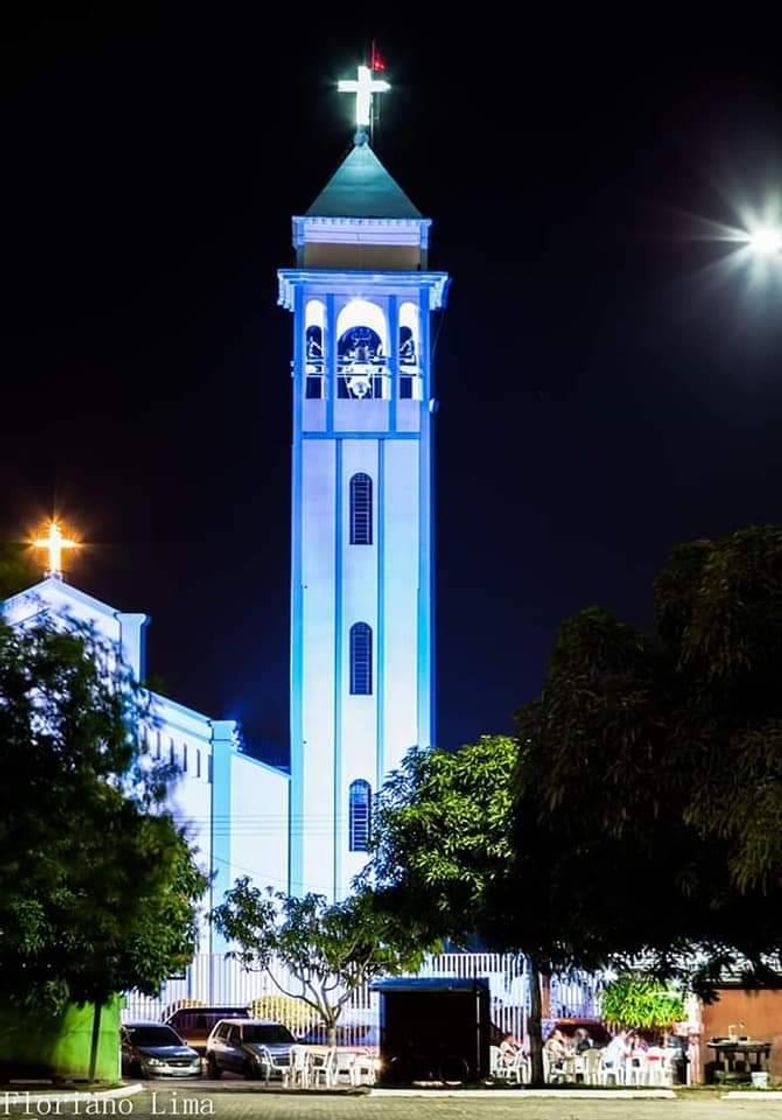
156,1050
251,1047
195,1024
349,1036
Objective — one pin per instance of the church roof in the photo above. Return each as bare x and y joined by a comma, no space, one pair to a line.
362,188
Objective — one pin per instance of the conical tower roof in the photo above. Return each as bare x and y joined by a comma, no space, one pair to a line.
362,188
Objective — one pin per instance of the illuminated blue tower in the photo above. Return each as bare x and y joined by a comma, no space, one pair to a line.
362,659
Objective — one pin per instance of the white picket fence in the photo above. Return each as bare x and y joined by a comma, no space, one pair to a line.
216,980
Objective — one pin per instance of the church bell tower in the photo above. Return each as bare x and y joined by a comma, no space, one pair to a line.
362,656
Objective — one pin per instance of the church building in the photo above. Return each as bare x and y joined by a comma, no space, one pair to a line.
362,627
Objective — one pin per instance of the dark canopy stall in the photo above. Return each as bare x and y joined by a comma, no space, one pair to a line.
433,1029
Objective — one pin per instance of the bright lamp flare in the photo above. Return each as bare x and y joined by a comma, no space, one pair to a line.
766,241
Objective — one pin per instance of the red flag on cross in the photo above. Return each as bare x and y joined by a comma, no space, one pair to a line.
376,60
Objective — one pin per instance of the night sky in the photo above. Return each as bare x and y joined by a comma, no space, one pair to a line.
606,387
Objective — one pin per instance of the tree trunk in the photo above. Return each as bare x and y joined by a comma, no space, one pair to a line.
95,1039
535,1025
331,1034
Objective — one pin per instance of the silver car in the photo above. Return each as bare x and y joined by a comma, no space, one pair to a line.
156,1050
250,1047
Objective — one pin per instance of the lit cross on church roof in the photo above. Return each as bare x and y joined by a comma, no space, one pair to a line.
363,87
56,543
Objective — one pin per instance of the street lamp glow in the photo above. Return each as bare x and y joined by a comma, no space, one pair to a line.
765,241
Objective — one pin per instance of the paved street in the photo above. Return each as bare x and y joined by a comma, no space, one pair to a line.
236,1103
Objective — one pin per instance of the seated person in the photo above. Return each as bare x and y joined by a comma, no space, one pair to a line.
680,1056
637,1046
582,1040
556,1050
509,1048
616,1053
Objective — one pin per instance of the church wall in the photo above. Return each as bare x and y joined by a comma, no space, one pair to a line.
180,736
361,416
59,602
360,579
315,771
259,820
401,539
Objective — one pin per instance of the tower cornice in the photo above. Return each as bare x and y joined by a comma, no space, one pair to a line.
308,230
353,281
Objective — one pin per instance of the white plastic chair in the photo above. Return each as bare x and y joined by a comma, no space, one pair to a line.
364,1069
322,1068
637,1070
497,1067
345,1066
270,1066
590,1067
514,1070
611,1071
553,1072
297,1073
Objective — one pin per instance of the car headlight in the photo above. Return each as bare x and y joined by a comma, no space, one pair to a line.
154,1062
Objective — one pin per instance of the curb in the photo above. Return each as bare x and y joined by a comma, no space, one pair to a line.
752,1095
544,1094
13,1098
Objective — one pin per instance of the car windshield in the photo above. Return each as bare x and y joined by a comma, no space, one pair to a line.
153,1036
269,1036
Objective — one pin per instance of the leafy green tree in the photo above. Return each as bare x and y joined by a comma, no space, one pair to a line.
442,851
646,793
648,776
98,886
327,950
442,834
637,1001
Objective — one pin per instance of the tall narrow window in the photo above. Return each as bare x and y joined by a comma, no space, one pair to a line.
360,659
360,815
361,509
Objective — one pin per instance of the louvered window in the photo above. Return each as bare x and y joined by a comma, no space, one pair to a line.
360,815
360,659
361,509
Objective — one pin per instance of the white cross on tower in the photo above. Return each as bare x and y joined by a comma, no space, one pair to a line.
363,87
55,543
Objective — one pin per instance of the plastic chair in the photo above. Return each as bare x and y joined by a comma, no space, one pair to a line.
322,1068
611,1071
345,1066
297,1072
590,1066
364,1069
270,1066
497,1068
637,1070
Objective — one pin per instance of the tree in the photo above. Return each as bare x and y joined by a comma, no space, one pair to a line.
645,812
327,950
98,886
648,775
441,835
443,857
638,1001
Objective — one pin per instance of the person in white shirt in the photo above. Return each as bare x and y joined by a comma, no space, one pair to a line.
615,1054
